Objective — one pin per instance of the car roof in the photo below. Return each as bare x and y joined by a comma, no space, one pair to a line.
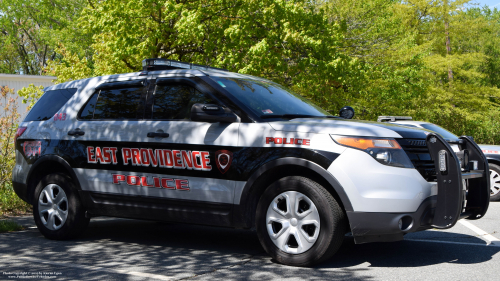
156,73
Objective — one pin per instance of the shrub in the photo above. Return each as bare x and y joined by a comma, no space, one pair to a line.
9,117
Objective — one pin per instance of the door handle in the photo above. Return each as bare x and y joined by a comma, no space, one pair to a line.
157,135
76,132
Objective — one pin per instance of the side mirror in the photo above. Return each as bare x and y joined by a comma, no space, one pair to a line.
212,113
346,112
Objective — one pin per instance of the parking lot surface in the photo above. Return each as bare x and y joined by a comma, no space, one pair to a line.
120,249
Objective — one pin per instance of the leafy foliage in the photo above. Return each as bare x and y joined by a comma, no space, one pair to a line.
30,94
32,29
8,126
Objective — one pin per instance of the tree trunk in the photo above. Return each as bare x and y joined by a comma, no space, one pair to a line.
448,50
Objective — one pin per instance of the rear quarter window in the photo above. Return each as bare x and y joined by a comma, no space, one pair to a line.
49,104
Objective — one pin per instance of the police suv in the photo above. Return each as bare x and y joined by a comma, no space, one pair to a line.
187,143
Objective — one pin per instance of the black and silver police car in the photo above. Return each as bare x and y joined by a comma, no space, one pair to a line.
193,144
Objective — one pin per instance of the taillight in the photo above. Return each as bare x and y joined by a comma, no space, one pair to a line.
19,132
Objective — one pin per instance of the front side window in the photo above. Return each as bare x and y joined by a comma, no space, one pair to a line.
114,103
267,99
174,101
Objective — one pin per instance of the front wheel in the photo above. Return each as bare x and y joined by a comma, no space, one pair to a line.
299,222
494,182
57,209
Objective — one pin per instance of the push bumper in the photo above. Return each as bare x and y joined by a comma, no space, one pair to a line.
462,192
463,181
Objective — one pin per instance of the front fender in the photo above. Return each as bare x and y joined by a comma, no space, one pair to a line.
243,212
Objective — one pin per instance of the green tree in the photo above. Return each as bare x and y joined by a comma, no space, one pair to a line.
386,61
462,96
30,31
30,94
291,42
426,58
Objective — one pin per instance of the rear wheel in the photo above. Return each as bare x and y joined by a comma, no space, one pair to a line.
58,212
299,222
494,182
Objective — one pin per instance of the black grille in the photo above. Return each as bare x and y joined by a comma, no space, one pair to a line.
419,155
417,143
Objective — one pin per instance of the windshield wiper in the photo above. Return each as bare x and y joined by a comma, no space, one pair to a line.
291,116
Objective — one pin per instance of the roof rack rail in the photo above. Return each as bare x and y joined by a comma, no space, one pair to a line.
393,118
166,64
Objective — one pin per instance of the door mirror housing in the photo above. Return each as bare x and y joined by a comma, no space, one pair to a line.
212,113
346,112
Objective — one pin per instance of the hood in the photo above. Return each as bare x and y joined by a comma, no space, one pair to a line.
349,128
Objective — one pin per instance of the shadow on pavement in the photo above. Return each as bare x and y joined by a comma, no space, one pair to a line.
412,253
182,251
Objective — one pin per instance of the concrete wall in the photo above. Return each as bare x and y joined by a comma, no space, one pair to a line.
17,82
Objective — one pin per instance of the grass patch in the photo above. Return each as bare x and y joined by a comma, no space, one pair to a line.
7,226
10,203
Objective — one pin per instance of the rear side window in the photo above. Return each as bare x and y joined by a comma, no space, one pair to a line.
49,104
174,101
114,103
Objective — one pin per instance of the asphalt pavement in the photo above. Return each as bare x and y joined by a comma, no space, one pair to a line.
120,249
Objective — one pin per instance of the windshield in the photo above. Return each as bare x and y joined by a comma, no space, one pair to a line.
444,133
267,99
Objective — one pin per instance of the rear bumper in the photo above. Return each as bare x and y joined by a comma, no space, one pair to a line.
21,190
385,227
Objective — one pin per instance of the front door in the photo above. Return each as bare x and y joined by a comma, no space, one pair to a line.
108,122
183,160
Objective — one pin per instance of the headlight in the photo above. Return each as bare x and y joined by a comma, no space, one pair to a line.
385,151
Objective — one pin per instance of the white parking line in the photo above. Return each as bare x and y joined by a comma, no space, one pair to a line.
90,267
490,239
452,242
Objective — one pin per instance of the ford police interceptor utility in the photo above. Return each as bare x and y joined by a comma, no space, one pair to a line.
187,143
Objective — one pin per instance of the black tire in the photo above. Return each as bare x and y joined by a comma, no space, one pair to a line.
75,222
333,222
496,169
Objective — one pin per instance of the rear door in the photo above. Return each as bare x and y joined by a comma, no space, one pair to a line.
109,121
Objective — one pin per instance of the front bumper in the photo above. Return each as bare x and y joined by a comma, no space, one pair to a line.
462,192
386,227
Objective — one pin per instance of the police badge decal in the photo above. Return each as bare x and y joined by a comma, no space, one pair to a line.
223,159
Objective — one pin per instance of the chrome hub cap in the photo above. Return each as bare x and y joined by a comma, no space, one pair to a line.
53,207
494,182
293,222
